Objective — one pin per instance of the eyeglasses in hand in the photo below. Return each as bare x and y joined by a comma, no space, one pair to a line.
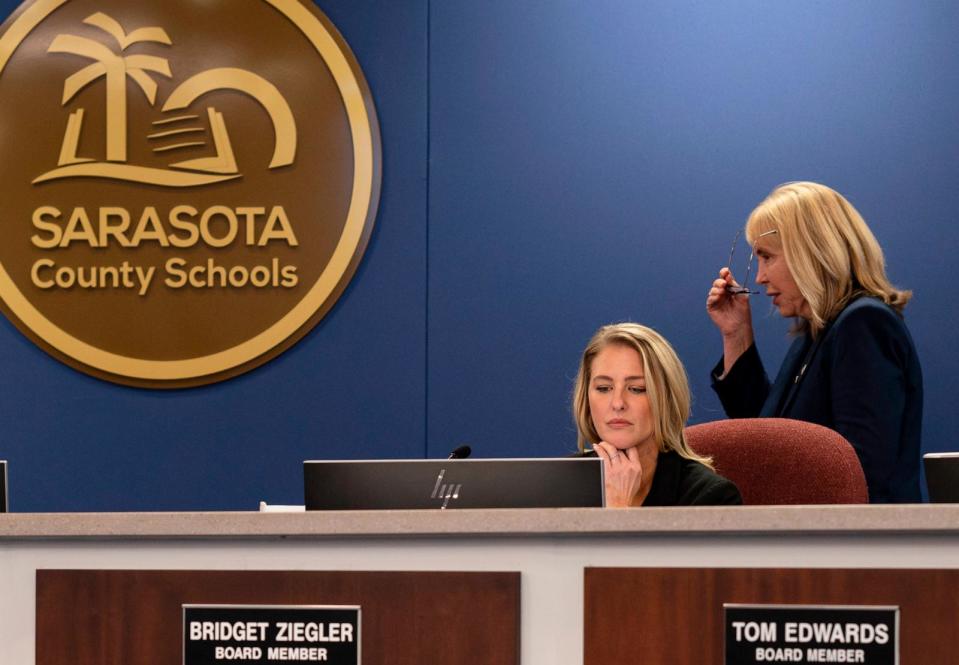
743,289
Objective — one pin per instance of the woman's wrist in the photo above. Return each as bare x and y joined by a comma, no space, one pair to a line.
735,346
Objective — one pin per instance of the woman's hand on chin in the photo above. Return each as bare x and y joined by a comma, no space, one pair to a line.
623,471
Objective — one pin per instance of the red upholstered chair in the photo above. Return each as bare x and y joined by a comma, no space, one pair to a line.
781,461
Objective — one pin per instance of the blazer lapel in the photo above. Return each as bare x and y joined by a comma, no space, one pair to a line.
783,389
798,370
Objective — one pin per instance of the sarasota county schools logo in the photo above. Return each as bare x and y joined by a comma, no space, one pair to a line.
189,185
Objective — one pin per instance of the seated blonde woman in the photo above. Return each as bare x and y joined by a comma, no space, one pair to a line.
631,404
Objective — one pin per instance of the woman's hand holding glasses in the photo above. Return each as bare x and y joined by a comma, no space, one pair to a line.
728,307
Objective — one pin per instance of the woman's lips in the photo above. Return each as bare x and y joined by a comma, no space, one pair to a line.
618,423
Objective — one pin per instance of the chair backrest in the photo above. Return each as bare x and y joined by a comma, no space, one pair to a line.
781,461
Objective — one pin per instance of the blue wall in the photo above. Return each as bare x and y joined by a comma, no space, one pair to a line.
549,166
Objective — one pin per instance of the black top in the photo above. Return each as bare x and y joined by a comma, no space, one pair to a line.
860,377
679,481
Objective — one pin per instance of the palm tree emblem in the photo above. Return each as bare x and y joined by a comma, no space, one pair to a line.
116,67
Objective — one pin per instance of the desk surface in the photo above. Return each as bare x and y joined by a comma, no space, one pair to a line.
550,548
573,522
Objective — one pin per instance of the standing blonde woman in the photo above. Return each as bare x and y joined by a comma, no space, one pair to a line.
631,403
853,366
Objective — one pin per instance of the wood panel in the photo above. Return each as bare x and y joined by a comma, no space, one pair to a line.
674,616
113,617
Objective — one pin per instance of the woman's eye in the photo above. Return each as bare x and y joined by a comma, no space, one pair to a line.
637,390
602,389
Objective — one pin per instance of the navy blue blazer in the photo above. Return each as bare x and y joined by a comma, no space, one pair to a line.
861,378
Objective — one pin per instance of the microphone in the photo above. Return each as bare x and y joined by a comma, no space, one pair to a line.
460,453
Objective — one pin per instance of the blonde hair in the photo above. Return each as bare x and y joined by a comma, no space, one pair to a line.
666,386
829,250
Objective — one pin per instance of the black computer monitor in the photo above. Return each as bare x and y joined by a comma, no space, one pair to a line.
462,483
942,477
3,486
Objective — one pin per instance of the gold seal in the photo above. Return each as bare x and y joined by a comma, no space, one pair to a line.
184,200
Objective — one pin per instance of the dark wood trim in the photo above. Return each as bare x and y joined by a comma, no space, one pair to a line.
675,615
120,617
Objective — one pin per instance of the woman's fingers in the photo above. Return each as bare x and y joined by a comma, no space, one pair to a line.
610,455
624,474
717,289
613,456
729,280
726,276
603,450
719,294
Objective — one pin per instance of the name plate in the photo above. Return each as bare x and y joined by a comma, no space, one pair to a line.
218,634
811,634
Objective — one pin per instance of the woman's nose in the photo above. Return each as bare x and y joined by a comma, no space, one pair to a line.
618,402
761,274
